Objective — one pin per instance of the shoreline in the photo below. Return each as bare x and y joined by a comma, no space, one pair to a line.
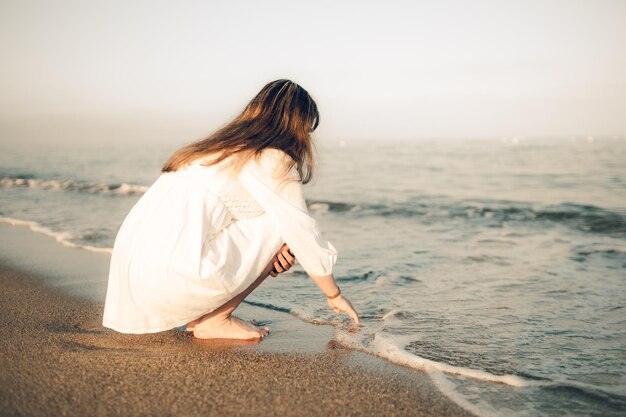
57,359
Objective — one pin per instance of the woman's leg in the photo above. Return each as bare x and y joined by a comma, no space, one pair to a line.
220,323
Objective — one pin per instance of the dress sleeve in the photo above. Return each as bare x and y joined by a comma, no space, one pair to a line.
284,201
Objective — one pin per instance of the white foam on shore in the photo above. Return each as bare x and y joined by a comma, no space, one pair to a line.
391,351
61,237
447,388
379,346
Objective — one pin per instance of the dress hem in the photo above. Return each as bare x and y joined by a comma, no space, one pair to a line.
150,330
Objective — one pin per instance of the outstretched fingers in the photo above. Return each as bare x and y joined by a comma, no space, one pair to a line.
341,304
352,313
354,316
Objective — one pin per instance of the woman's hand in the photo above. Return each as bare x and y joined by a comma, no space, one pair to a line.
283,261
340,304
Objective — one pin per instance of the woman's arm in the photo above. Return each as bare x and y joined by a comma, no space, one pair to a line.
284,201
336,301
326,283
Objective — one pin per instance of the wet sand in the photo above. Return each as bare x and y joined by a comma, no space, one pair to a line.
57,360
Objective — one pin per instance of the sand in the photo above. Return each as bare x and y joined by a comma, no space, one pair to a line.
57,360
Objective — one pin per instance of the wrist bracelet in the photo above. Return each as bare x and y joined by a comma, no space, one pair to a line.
336,295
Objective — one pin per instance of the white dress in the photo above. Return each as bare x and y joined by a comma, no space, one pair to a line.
198,237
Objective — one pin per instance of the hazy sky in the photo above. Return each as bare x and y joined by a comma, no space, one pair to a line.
400,69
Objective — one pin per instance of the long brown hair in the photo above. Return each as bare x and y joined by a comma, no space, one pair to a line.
281,116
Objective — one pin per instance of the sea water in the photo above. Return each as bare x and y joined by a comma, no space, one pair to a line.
498,266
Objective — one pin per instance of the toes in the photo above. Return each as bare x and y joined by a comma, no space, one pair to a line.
198,334
263,330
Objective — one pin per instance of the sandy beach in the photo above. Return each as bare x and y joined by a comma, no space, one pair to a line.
57,359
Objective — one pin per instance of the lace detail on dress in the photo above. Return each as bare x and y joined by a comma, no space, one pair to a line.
240,202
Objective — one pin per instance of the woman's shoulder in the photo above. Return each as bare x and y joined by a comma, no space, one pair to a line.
277,163
276,155
273,156
205,160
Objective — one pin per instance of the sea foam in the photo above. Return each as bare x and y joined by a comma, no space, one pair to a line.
61,237
73,185
390,350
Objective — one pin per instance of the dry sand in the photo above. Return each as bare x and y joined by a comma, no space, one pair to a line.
57,360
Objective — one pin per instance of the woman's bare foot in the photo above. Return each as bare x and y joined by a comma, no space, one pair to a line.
220,324
191,325
230,327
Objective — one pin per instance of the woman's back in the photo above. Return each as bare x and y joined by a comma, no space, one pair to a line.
200,239
201,234
195,199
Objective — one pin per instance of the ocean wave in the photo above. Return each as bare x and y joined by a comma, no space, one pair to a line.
586,218
302,316
592,394
427,209
27,181
392,351
269,306
64,238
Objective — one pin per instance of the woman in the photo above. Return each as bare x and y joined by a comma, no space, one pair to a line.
225,213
